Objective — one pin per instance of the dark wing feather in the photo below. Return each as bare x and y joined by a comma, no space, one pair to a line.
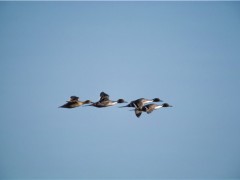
138,112
103,97
74,98
139,103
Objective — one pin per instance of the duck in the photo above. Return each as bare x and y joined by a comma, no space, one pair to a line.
139,103
150,108
105,101
74,102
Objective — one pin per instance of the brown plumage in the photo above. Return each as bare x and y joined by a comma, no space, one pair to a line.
74,102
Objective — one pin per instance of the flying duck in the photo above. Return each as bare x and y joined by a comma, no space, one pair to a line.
149,108
139,103
105,101
74,102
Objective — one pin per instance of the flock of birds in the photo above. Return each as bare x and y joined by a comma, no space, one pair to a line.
139,105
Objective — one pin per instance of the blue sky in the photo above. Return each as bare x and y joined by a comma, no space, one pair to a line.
186,53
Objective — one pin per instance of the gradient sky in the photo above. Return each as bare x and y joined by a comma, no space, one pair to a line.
186,53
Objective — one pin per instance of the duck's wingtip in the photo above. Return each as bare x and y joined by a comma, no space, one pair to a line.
138,116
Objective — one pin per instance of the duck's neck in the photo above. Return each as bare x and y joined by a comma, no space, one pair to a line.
114,102
85,102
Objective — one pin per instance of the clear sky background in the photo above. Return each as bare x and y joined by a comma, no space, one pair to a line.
186,53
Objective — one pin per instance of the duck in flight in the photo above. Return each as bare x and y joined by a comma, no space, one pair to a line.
105,101
139,103
74,102
150,108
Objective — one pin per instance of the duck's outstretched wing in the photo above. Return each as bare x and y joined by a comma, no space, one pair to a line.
73,99
103,97
138,112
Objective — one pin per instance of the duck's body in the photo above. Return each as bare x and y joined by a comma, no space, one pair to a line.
105,101
74,102
149,108
139,103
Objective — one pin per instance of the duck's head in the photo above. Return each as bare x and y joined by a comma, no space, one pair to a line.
166,105
121,101
157,100
87,102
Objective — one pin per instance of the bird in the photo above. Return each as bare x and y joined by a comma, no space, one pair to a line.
139,103
74,102
105,101
150,108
